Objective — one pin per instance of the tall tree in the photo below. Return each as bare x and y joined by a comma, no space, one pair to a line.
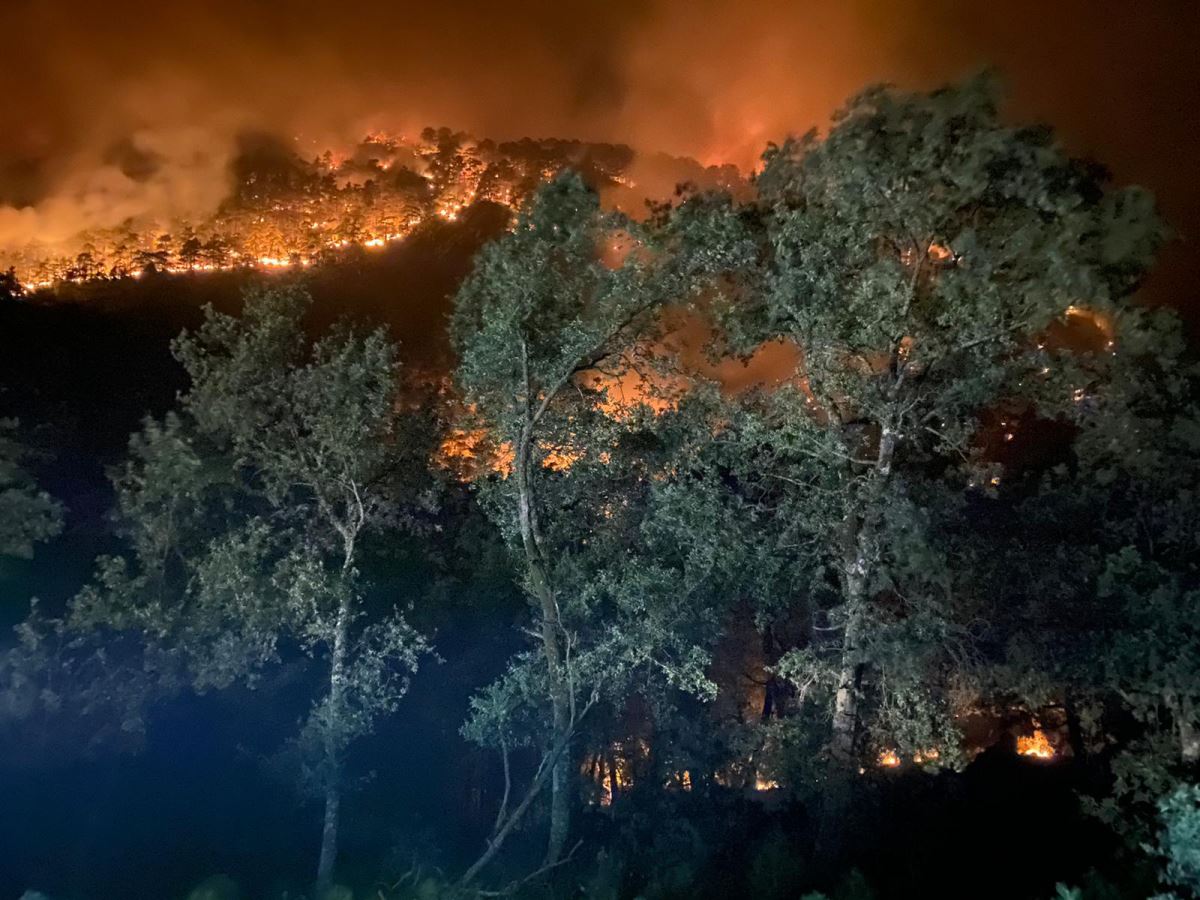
1109,632
247,510
10,285
545,310
915,257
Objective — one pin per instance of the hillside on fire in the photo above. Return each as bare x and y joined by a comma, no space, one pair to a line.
429,515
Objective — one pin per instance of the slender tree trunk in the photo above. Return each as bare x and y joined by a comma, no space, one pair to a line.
329,836
1075,737
837,798
845,701
337,685
506,822
551,632
859,560
1183,711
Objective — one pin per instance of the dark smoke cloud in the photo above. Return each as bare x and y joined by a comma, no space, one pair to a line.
90,86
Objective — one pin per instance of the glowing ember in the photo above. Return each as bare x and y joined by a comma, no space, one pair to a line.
1036,744
940,253
681,780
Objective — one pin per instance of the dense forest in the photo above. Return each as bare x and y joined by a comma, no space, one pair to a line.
832,536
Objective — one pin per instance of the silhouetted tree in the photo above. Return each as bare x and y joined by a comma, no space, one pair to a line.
10,285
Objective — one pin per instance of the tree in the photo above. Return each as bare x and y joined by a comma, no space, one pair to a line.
216,252
246,512
191,249
10,285
540,318
915,257
1108,629
147,260
28,515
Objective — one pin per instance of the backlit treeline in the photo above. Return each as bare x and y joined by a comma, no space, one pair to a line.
286,211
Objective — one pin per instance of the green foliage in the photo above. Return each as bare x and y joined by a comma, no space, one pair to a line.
245,512
854,886
914,256
1179,839
1111,623
27,515
541,319
776,869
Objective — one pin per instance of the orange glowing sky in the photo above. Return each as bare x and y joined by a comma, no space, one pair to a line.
701,78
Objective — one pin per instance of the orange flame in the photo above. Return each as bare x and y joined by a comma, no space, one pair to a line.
889,759
1036,744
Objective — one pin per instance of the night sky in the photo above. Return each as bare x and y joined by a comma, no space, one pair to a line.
711,80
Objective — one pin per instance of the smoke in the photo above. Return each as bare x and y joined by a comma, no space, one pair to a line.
162,174
701,78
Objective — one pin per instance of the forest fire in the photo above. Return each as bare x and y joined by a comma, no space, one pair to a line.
286,212
657,530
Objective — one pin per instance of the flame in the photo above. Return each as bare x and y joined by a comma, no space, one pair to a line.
939,253
277,234
613,772
681,780
1100,321
1036,744
889,759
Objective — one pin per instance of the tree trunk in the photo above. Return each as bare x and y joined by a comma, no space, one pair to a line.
551,632
1183,710
858,562
333,791
1075,738
843,761
329,834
